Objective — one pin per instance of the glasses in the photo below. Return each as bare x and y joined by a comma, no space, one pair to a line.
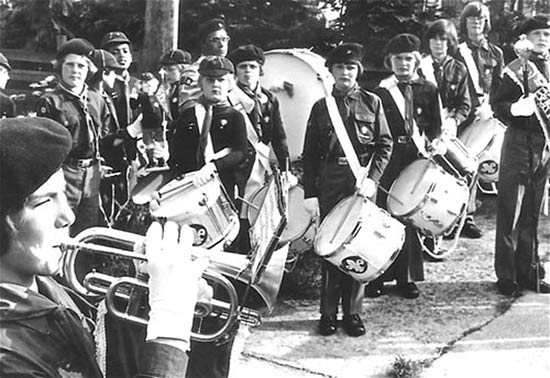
219,39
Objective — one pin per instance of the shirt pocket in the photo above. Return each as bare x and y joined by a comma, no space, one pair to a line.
364,128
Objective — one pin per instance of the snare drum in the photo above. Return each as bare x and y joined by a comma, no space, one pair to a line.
207,209
427,197
300,229
359,238
458,160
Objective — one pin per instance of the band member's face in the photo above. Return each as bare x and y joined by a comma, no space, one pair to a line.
74,70
403,64
475,26
172,73
248,73
39,228
438,47
540,39
215,89
345,75
216,43
4,77
123,54
109,78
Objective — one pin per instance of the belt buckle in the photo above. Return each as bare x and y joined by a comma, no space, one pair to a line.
403,139
342,160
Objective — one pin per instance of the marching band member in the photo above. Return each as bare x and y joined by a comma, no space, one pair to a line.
484,62
45,329
86,116
210,127
265,130
450,76
411,107
7,105
328,177
173,66
524,164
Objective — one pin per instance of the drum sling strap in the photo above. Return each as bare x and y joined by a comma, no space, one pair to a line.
426,65
418,139
471,66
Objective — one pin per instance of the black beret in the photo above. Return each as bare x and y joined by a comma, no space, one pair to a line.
247,53
4,62
215,66
104,59
31,150
76,46
114,37
402,43
346,52
533,23
210,26
176,57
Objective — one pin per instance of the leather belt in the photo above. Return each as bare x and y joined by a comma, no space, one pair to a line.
342,160
81,163
404,139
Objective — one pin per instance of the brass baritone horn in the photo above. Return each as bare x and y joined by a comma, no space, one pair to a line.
222,267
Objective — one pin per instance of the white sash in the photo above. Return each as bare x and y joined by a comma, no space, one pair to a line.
390,84
427,67
471,65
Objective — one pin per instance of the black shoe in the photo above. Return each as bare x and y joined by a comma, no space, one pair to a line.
354,325
327,325
374,290
508,288
408,290
543,287
470,230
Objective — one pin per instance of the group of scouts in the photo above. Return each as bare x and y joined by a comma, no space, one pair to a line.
216,118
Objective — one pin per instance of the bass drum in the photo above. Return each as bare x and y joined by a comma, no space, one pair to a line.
298,78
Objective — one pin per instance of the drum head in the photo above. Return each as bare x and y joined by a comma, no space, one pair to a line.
339,225
298,78
411,187
149,184
477,136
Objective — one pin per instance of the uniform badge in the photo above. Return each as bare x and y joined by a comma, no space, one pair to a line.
418,110
223,122
43,110
453,87
354,264
364,129
174,100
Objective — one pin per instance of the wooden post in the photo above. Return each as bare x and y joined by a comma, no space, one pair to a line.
161,31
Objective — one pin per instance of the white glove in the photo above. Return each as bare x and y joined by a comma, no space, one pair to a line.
448,127
173,281
524,107
160,150
290,179
205,174
312,206
484,111
367,188
438,147
134,129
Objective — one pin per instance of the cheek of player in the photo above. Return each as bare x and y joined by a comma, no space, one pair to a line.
345,75
540,39
109,78
403,64
217,43
248,73
123,54
74,70
215,89
40,227
173,73
438,47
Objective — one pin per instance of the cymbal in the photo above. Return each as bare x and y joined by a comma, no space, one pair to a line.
149,184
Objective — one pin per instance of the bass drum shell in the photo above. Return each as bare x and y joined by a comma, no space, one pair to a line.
298,78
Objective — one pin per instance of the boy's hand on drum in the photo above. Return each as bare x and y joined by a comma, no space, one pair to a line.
524,107
448,127
484,111
205,174
312,207
290,179
367,188
438,147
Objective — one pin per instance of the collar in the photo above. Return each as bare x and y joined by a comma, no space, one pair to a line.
445,60
483,44
81,97
353,92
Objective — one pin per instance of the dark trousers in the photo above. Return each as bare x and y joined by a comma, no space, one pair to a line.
521,181
336,183
82,190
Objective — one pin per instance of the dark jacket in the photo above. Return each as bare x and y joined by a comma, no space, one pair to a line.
46,334
368,131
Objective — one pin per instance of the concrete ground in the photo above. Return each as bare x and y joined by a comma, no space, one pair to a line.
459,327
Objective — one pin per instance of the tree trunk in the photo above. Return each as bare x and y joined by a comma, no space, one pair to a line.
161,31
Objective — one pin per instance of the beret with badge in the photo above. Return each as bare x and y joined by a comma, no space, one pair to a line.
105,60
115,37
76,46
348,52
534,23
210,26
175,57
215,66
31,150
4,62
247,53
